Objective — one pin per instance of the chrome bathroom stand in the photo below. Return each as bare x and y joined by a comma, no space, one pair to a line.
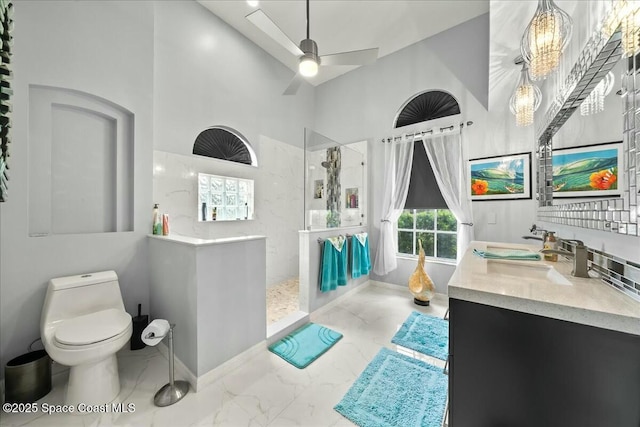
175,390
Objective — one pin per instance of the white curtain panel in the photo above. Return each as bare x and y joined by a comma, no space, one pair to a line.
399,159
445,152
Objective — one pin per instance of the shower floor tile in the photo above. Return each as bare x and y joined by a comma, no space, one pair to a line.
282,300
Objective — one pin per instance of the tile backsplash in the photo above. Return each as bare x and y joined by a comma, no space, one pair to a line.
619,273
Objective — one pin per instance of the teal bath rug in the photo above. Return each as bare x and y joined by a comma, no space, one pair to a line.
396,390
427,334
306,344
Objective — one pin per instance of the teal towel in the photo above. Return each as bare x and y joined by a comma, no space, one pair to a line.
333,268
360,259
515,254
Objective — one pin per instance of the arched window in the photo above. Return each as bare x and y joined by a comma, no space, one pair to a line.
426,217
221,142
429,105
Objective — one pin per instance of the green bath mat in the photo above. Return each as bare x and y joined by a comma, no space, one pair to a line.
306,344
395,390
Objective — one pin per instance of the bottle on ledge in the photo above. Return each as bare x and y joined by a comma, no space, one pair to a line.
551,243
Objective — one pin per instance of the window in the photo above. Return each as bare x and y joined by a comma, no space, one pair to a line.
426,216
435,228
221,142
223,198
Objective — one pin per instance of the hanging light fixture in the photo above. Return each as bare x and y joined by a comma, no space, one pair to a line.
630,27
545,38
594,103
526,98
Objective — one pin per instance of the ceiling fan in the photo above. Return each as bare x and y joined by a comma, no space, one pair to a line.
307,52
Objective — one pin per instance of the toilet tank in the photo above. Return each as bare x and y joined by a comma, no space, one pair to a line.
74,296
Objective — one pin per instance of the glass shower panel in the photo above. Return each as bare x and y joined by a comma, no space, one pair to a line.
335,182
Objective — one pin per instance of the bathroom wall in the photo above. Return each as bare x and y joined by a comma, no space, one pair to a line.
179,69
363,104
206,73
278,200
104,49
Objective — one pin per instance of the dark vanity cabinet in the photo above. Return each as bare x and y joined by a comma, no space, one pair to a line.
511,369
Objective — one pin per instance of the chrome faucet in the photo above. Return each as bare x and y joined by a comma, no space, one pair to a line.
534,229
579,257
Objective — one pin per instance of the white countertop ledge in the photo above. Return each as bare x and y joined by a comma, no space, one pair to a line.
194,241
585,301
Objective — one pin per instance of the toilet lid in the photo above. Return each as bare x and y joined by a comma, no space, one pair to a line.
93,328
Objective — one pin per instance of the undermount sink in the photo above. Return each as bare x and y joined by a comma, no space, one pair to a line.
526,272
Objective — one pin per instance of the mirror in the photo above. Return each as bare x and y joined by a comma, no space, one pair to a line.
602,54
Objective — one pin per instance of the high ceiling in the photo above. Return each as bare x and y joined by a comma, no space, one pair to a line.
339,26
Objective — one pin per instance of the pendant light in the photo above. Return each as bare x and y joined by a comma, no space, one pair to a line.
526,97
545,38
631,27
594,103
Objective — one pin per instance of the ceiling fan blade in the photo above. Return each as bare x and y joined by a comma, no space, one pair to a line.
264,23
294,85
355,57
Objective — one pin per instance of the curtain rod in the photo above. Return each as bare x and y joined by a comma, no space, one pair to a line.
415,134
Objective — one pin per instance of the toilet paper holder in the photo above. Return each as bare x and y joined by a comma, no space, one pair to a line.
152,335
173,391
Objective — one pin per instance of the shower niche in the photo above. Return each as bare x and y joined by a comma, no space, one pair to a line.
335,182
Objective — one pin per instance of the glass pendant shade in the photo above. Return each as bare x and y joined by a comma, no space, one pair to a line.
545,38
525,99
631,28
594,103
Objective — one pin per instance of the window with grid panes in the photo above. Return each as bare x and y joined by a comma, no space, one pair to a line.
426,217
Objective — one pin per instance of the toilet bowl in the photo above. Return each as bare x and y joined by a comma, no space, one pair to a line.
83,325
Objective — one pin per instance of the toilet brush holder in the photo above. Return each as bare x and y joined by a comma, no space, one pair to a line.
175,390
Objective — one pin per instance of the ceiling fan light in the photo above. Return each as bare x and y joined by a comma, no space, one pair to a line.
308,66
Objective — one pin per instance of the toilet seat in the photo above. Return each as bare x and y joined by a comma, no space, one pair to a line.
92,328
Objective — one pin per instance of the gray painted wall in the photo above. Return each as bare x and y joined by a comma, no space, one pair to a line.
206,73
105,49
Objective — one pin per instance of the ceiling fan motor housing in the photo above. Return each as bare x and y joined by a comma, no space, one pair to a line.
310,49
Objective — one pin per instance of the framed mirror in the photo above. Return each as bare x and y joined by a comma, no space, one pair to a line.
602,54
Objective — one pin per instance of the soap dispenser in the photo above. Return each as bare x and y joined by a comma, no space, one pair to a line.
551,243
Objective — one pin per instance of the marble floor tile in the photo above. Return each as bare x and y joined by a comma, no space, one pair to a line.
265,391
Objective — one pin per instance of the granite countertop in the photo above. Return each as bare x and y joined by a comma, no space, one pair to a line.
194,241
518,286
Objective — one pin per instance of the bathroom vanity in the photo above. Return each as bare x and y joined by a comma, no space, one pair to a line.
214,291
530,345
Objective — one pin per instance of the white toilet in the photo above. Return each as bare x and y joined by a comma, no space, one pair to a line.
83,325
